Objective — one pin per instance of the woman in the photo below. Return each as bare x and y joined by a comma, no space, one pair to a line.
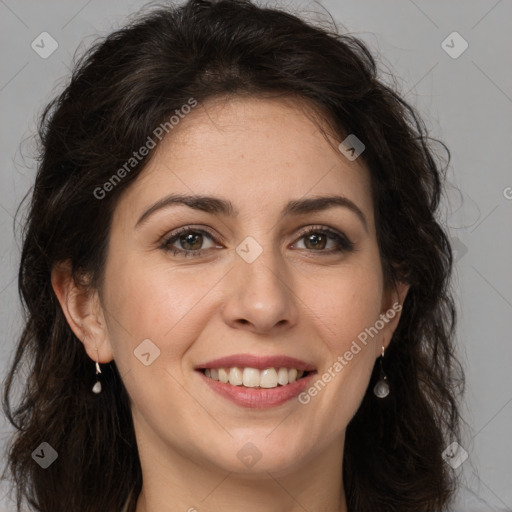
237,291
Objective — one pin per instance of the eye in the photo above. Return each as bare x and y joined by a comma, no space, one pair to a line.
316,240
191,241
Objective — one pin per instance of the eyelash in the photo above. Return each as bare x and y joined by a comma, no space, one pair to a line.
344,244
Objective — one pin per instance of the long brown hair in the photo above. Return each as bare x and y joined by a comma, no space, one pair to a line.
120,91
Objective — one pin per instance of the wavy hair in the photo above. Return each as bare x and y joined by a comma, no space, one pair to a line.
120,90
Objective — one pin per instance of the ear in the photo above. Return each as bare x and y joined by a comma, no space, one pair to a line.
392,305
82,308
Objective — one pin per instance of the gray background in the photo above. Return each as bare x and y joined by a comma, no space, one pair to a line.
466,102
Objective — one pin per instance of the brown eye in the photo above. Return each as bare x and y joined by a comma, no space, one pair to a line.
187,242
317,240
191,241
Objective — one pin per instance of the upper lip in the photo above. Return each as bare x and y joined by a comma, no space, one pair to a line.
258,362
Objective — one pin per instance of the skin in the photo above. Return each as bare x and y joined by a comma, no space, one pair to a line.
294,299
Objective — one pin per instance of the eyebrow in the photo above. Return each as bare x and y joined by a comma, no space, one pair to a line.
216,205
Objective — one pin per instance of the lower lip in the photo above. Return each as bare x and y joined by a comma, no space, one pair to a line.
259,398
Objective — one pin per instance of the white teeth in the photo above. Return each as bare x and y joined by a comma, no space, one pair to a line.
235,376
282,376
223,375
268,378
253,378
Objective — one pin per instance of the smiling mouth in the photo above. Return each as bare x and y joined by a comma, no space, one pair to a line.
253,378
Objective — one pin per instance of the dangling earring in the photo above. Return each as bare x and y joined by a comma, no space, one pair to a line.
381,389
97,387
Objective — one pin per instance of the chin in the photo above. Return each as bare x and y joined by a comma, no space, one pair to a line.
258,457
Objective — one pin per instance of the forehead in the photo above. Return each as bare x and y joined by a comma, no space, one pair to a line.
257,153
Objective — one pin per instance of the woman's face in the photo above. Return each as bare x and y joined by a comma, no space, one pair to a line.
245,286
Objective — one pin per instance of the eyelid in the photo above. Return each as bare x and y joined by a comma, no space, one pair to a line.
165,240
342,240
333,233
190,227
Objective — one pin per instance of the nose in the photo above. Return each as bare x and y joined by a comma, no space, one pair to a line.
260,295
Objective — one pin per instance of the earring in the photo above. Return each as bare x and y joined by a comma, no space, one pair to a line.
381,389
97,387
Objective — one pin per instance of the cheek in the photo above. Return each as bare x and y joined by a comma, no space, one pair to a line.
347,309
153,302
346,302
158,302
